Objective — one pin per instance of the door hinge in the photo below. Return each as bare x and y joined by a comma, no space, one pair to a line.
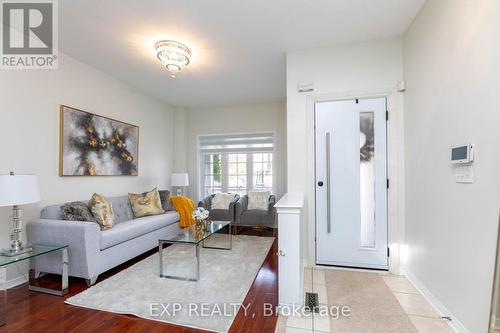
387,115
387,182
388,252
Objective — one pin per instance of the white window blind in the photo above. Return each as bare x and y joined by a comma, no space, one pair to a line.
236,143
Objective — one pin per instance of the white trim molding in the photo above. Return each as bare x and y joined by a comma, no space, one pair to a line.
17,281
395,170
291,277
439,307
495,323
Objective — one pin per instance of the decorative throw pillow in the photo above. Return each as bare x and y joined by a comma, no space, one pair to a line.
76,211
222,200
166,204
102,210
258,200
146,204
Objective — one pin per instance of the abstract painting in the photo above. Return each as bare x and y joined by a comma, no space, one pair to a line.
93,145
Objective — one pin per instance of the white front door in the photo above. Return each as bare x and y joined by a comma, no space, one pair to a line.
351,183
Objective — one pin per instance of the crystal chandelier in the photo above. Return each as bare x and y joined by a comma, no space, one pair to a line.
173,55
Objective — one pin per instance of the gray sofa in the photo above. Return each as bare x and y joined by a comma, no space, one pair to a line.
254,217
219,214
92,251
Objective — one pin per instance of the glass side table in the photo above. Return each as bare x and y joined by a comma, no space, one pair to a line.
189,236
38,250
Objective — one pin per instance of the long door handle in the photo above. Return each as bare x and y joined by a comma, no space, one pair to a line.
328,168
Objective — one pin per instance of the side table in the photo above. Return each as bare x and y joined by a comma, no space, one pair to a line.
38,250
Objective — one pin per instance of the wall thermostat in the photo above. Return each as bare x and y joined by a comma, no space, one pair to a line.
462,154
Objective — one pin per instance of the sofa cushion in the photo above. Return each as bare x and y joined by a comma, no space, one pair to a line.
102,210
146,203
220,215
254,217
126,230
76,211
165,200
52,212
121,210
222,200
258,200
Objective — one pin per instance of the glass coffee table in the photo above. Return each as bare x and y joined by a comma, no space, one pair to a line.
189,236
37,250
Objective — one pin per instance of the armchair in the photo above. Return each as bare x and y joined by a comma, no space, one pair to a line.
253,217
219,214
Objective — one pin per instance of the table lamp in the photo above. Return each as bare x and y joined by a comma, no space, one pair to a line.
179,180
16,190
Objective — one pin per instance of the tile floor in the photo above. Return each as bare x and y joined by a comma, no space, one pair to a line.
420,312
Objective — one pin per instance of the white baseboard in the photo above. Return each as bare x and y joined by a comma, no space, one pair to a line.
16,281
455,324
351,269
495,323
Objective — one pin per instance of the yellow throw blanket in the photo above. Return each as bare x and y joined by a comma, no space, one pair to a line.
184,206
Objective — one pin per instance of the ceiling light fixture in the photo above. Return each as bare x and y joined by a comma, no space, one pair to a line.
173,55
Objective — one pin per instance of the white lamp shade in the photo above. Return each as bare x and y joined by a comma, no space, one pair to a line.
18,190
179,179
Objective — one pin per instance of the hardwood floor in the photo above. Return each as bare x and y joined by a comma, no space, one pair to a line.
29,311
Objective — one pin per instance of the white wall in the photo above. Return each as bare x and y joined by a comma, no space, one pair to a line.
180,140
337,70
495,306
29,132
452,71
236,119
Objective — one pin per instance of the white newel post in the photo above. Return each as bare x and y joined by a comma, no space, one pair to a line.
289,209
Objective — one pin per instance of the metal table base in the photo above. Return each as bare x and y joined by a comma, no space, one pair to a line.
230,235
64,279
162,272
31,286
197,246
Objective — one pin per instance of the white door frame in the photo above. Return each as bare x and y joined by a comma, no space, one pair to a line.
395,171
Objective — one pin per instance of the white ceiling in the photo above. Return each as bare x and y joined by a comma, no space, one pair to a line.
239,46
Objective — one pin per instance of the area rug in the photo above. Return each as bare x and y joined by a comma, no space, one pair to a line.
210,303
373,306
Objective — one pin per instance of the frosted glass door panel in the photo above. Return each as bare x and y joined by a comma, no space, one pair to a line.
367,179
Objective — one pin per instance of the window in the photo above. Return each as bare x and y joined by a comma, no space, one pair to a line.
237,173
212,173
236,163
262,171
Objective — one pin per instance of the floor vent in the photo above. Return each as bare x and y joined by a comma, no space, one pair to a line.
311,302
